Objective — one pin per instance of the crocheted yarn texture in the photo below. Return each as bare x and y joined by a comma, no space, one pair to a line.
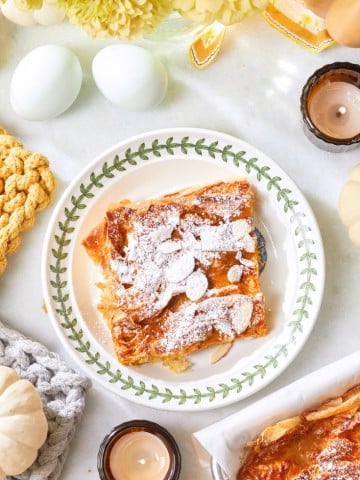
26,186
62,391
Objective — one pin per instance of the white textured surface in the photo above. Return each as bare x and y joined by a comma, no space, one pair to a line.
251,91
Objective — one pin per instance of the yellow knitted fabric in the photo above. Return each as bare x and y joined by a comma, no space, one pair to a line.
26,186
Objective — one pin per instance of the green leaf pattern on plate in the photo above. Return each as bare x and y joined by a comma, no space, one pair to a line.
145,153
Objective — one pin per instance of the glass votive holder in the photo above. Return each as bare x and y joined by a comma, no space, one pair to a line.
139,450
330,107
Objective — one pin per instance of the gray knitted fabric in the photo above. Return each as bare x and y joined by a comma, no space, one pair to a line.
62,391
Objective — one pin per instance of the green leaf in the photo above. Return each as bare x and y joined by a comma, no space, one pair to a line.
107,170
86,191
308,256
248,377
104,368
297,326
64,227
70,215
261,370
225,389
274,182
309,270
142,152
252,162
307,286
140,389
227,153
304,299
212,149
93,359
306,242
58,284
154,393
263,172
211,393
199,146
58,255
301,313
283,350
290,204
61,241
197,395
84,347
168,396
272,361
184,145
297,216
129,157
64,311
119,164
182,397
169,145
95,180
237,384
77,202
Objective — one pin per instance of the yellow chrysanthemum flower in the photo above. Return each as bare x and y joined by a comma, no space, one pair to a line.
130,19
28,4
203,12
124,19
226,12
233,11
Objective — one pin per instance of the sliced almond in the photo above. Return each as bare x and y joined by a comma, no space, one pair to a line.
180,269
220,352
352,402
196,285
273,433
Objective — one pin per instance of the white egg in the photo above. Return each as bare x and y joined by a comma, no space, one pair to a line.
130,76
45,83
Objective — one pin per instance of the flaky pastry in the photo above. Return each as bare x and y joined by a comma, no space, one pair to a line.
322,444
180,273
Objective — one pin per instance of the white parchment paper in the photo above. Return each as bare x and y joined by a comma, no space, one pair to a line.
225,440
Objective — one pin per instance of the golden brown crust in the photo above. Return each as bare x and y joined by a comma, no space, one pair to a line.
149,300
322,444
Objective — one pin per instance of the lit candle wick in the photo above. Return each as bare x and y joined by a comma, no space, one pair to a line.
335,110
341,111
142,461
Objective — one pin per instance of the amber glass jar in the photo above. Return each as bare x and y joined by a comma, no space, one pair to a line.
347,76
135,448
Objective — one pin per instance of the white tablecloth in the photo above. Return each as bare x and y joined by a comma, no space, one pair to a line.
251,91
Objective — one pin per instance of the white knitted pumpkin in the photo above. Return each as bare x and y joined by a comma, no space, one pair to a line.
23,425
349,205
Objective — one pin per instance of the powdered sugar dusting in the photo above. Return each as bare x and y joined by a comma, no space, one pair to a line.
196,286
170,251
156,264
194,322
180,268
234,273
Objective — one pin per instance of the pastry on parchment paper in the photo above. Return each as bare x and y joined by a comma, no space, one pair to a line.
322,444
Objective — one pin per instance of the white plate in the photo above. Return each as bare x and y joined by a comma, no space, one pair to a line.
159,162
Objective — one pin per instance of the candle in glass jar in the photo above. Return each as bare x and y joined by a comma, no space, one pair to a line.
139,456
330,105
139,450
335,110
